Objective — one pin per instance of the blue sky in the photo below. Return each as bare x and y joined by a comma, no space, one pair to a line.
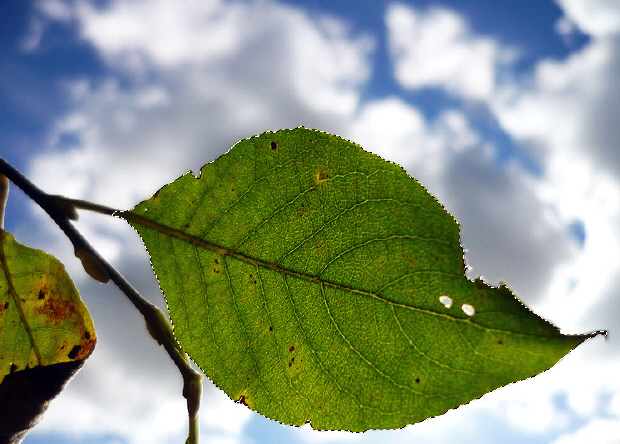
506,111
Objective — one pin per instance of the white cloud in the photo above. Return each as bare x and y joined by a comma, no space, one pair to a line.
436,49
341,68
562,115
600,431
325,65
168,34
545,111
307,434
394,130
594,17
399,132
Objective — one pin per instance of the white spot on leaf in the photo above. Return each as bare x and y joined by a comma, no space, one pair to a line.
468,309
446,301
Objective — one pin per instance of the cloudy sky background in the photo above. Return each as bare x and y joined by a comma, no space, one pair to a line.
506,111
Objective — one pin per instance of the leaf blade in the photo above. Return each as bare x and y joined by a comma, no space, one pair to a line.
43,320
319,270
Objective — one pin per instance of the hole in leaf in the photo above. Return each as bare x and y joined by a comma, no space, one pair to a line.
468,309
74,351
446,301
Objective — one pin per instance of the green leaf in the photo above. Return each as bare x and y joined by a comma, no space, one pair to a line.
314,281
46,333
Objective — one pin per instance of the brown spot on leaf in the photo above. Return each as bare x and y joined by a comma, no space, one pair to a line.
241,400
274,146
411,261
321,176
56,311
291,348
292,361
271,328
417,380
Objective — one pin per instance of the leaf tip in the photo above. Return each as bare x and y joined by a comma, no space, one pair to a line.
594,334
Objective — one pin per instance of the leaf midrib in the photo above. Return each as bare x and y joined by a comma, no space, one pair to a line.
136,219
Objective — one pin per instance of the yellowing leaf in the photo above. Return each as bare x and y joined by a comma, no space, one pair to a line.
43,321
314,281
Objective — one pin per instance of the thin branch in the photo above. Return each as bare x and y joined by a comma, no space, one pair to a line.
61,210
4,194
86,205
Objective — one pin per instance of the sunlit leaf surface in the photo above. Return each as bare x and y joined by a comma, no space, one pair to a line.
314,281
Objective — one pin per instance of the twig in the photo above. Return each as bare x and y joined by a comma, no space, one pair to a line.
61,210
4,194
